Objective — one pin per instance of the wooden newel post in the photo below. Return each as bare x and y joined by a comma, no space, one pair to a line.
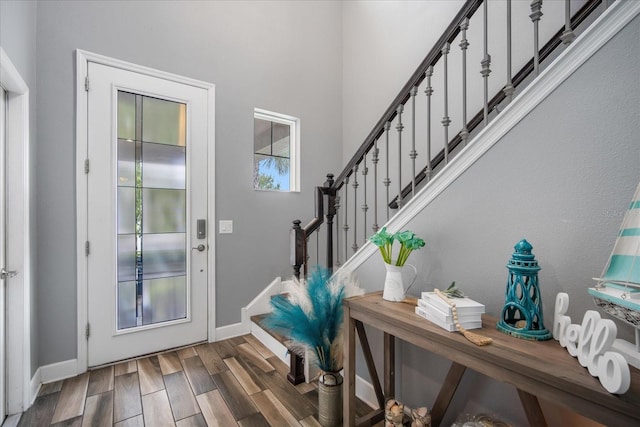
297,247
330,191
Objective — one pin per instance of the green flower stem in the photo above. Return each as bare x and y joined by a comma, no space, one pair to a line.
403,255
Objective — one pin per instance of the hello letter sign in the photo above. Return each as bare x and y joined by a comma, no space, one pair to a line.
591,343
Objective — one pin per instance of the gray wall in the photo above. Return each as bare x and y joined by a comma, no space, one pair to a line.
383,43
18,39
280,56
562,178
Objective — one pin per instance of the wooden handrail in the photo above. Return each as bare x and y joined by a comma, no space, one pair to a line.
300,235
417,77
520,76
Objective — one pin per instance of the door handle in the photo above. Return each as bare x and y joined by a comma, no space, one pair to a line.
200,247
4,274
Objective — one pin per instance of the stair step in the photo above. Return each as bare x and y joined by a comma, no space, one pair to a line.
258,318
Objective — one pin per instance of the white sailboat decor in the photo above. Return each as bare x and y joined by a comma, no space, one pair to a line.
617,292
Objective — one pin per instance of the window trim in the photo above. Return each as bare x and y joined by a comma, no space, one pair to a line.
294,145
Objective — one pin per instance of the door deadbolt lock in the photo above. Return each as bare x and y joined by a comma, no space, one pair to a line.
4,274
200,247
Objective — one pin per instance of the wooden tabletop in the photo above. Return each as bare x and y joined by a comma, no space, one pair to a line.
541,368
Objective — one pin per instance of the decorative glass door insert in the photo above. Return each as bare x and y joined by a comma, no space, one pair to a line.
151,211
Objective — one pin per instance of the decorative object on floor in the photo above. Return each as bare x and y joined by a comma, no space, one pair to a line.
393,286
522,313
420,417
435,309
617,292
475,338
480,420
311,316
591,342
330,399
393,413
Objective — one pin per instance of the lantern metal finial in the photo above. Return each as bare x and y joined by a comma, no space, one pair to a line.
522,313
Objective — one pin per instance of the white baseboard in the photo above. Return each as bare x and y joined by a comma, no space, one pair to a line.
12,420
229,331
57,371
366,392
34,387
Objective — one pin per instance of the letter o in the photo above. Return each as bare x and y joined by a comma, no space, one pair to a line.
613,372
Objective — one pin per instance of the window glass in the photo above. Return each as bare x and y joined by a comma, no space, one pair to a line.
274,148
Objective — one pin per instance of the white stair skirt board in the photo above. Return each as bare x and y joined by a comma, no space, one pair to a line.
281,351
364,389
261,303
607,25
271,343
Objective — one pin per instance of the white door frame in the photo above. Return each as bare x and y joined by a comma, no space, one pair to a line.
82,58
18,289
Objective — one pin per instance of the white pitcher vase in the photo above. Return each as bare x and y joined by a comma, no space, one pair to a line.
393,284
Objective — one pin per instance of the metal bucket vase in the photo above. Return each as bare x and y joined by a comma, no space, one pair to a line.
330,399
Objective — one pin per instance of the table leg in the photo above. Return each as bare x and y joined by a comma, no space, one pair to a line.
373,373
532,409
449,387
389,365
349,397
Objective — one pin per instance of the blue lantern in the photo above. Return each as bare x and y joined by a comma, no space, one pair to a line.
522,312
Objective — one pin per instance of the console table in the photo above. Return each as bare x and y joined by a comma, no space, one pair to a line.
537,369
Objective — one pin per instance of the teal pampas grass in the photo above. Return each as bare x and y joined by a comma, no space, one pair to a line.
311,316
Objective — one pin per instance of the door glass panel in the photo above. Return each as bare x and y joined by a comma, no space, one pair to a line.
151,211
126,304
126,163
164,211
126,257
126,210
163,121
164,299
126,115
164,166
163,255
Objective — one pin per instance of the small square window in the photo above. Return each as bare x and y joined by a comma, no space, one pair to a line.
275,151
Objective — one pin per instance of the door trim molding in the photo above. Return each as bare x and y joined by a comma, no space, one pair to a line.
82,60
18,289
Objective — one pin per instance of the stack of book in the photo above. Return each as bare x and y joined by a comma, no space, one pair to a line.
435,309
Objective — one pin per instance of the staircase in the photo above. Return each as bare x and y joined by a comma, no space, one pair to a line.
358,211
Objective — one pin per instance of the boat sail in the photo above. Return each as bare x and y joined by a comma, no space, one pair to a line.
617,292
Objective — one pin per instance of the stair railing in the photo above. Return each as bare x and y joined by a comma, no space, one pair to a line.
386,150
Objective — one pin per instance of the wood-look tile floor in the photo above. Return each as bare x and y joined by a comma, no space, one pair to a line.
235,382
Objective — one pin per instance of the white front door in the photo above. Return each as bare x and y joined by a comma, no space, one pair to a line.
147,214
3,243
